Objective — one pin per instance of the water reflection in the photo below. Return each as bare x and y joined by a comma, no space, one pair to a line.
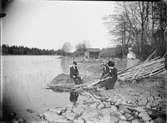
24,82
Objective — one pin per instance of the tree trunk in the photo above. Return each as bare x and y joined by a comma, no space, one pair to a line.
142,28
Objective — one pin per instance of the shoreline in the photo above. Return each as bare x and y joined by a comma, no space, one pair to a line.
123,108
119,95
144,96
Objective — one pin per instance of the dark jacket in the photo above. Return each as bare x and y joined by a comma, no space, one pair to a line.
113,73
74,72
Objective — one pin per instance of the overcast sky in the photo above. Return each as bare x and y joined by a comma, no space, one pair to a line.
48,24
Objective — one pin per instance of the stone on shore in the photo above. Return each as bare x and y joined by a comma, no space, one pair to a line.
123,121
144,115
52,117
136,121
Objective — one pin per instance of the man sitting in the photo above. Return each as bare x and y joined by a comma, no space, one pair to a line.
74,73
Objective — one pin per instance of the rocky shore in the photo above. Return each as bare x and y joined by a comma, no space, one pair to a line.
142,101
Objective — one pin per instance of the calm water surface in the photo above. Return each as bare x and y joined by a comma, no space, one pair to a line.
24,82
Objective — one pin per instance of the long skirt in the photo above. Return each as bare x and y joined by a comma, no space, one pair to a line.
109,83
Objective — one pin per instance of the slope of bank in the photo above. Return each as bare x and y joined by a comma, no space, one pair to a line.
143,101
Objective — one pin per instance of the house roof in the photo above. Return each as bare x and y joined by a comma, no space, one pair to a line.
93,49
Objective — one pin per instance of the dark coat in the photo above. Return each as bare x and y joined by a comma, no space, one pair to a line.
74,72
109,83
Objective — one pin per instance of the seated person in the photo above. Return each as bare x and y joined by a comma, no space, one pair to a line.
112,74
74,73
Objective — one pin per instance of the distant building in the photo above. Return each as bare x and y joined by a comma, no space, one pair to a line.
111,52
92,53
108,52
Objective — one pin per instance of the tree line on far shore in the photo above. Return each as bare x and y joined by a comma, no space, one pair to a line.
21,50
81,48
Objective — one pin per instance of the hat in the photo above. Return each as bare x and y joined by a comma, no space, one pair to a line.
75,63
111,63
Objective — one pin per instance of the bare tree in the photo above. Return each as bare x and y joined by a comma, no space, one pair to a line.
137,23
66,47
81,48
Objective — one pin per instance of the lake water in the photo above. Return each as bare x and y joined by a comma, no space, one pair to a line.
24,82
